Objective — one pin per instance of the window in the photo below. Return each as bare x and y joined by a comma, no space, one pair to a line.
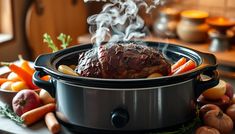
6,23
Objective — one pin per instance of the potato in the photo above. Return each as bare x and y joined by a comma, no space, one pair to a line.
13,77
19,85
7,85
66,70
216,92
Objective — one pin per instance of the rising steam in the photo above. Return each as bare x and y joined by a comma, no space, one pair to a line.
119,20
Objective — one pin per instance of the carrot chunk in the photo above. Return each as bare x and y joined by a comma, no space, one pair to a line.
36,114
189,65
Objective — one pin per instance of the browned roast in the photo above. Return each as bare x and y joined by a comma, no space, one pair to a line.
122,61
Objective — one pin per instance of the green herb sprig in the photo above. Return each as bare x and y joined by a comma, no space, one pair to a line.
7,112
49,41
65,40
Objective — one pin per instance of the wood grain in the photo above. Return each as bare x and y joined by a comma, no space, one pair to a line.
58,17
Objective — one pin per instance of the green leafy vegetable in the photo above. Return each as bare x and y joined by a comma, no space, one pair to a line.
6,111
65,40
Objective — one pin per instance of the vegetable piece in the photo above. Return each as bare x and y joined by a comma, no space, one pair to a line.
46,97
65,40
6,111
219,120
231,112
229,90
233,99
36,114
24,101
154,75
49,41
208,107
25,76
52,123
7,85
189,65
26,65
19,85
215,92
207,130
46,77
66,70
13,77
179,63
222,103
72,66
3,80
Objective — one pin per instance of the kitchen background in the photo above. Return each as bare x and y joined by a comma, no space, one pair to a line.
27,23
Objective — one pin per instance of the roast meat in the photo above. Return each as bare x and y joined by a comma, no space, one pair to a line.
122,61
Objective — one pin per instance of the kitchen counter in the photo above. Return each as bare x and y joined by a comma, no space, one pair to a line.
40,127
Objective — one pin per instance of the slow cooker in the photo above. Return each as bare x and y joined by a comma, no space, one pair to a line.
125,105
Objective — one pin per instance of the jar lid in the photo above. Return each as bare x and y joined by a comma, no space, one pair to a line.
194,14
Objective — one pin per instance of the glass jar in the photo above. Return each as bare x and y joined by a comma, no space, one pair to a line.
192,26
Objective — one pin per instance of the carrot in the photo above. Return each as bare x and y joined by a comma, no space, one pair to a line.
52,123
179,63
26,65
2,80
46,77
25,76
189,65
36,114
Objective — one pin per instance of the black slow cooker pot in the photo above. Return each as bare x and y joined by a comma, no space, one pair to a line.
125,105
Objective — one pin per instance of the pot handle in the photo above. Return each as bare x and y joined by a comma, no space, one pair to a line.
201,85
47,85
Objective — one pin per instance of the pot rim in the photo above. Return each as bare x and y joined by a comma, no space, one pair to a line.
46,64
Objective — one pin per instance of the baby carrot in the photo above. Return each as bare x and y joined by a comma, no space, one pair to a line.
26,65
189,65
36,114
25,76
51,122
179,63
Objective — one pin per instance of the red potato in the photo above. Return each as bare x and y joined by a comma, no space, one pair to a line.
218,120
231,112
206,130
208,107
25,100
229,90
233,99
223,103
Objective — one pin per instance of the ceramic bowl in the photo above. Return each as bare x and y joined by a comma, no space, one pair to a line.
5,95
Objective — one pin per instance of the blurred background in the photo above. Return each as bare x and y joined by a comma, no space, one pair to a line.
23,23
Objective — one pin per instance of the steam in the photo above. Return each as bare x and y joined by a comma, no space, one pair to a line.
119,20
